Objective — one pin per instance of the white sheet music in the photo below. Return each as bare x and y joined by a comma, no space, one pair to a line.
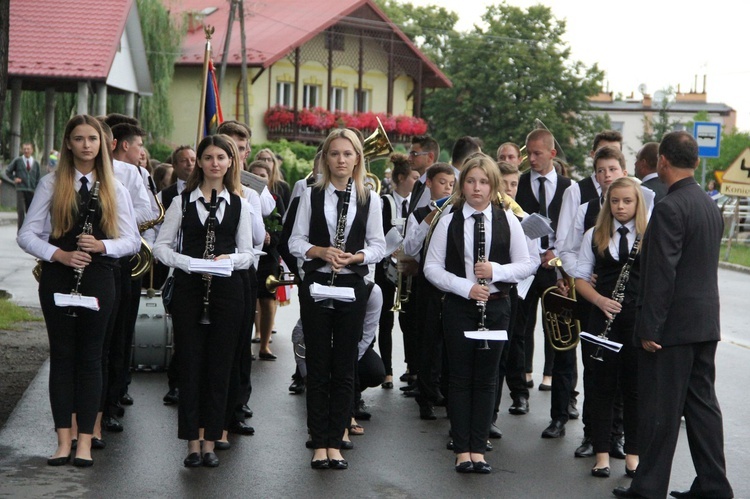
253,181
602,342
392,240
221,268
536,226
489,335
319,292
71,300
524,286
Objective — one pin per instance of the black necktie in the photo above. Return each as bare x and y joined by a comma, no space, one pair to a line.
340,205
477,235
404,208
624,250
543,208
84,190
416,193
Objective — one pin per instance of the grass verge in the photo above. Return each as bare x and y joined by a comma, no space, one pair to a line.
10,314
739,254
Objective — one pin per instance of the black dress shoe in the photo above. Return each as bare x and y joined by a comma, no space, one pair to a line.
530,383
408,388
172,396
320,464
556,429
489,446
586,449
465,467
627,492
387,385
629,472
110,423
210,460
482,467
404,377
83,463
126,399
520,406
298,386
58,461
450,445
241,428
361,412
413,393
347,445
266,356
440,401
246,411
193,460
573,410
684,494
617,447
495,431
427,413
219,445
98,443
545,388
600,472
337,464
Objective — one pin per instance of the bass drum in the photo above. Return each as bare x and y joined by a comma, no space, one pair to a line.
153,337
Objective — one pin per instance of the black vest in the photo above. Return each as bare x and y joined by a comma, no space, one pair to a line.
69,240
319,235
588,190
607,270
421,213
526,199
592,212
194,232
167,195
387,215
499,251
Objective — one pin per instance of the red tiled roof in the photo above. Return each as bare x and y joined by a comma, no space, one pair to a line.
275,28
65,39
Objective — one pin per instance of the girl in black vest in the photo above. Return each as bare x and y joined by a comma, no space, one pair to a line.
206,351
604,251
52,232
332,334
452,266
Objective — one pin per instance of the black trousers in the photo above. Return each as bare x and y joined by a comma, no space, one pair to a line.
75,343
473,372
240,386
429,306
673,382
23,201
526,320
617,371
331,338
117,363
207,351
512,361
385,326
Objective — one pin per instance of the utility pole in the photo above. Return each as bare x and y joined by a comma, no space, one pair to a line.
227,39
245,97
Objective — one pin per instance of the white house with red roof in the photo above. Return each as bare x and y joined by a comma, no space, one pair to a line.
91,47
303,57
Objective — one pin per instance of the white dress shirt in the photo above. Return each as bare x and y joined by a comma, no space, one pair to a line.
267,202
434,267
33,237
259,228
130,177
550,186
166,248
374,250
586,258
570,202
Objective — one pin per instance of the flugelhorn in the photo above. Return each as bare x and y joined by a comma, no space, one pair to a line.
272,282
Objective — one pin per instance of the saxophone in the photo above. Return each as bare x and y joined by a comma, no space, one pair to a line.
208,254
338,240
618,294
88,229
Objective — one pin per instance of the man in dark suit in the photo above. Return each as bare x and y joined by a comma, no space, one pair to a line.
540,190
645,169
678,327
24,172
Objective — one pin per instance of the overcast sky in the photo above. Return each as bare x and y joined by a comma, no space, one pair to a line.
651,42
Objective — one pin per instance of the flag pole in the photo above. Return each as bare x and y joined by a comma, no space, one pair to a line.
208,31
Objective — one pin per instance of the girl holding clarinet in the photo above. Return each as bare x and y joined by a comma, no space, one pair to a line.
80,222
338,232
208,222
475,253
606,248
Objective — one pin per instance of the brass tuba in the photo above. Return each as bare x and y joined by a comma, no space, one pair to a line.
560,314
374,147
144,259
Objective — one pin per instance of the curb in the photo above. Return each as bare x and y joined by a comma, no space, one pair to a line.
735,267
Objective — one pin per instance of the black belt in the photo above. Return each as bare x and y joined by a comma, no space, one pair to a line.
497,296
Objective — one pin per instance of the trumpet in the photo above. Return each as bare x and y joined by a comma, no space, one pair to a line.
401,297
273,282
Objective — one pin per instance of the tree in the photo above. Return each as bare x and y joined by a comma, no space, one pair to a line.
508,72
654,129
4,48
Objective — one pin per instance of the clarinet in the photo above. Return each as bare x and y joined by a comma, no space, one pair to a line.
618,294
481,258
338,240
88,229
208,254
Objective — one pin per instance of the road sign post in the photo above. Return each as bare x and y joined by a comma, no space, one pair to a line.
708,136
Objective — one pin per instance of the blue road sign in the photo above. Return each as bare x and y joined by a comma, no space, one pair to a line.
708,136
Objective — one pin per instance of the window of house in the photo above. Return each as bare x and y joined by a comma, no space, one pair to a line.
311,96
618,126
338,99
365,97
284,92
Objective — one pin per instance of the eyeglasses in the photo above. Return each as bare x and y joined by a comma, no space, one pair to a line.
414,154
270,160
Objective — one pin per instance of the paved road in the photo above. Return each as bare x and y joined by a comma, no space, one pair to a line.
399,456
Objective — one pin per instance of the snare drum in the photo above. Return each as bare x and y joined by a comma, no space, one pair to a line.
153,337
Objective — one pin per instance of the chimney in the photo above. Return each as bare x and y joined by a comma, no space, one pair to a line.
704,84
647,101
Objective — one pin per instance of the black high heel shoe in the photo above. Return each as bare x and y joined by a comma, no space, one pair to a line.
629,472
337,464
83,463
600,472
58,461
